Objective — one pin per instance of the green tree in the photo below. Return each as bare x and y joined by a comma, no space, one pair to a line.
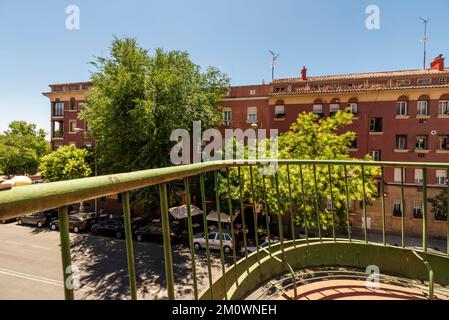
21,148
439,205
309,138
138,99
66,163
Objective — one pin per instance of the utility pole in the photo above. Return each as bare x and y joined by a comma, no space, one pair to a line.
425,39
273,62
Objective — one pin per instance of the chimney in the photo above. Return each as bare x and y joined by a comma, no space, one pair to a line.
304,73
438,63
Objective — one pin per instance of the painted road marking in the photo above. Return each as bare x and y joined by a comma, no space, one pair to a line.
35,278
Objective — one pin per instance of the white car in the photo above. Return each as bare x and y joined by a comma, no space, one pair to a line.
251,247
214,242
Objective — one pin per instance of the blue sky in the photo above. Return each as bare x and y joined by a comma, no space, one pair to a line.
327,36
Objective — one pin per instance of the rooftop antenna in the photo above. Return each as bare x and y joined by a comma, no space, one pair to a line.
425,39
275,56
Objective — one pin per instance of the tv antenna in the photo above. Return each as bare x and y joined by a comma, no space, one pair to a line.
275,56
425,39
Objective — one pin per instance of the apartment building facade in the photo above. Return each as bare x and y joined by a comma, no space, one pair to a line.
398,116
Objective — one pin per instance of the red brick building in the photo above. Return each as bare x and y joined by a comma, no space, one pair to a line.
399,116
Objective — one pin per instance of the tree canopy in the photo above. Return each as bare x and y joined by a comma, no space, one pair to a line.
66,163
138,99
21,148
309,138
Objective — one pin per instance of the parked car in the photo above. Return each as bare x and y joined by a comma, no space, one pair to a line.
4,221
214,241
114,227
251,246
77,222
39,219
153,231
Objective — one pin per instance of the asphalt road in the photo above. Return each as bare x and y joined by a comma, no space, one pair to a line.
30,266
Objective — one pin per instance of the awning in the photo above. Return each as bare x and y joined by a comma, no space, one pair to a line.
181,212
213,216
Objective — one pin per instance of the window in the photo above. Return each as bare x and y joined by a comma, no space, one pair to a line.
88,128
252,114
333,108
58,109
353,108
397,210
443,107
353,144
227,117
417,209
443,142
404,83
423,82
419,176
444,80
421,143
440,215
252,92
401,108
72,104
401,142
399,175
318,109
441,176
375,154
212,236
375,125
72,126
279,111
422,109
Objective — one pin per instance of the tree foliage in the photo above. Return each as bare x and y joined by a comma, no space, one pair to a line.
439,205
138,99
309,138
21,148
66,163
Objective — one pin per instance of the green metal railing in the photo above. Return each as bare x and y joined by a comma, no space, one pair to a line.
24,200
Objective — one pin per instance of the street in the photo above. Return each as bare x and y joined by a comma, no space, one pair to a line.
30,266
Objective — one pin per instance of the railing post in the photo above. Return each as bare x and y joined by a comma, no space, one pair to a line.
304,205
190,229
256,226
129,246
447,214
333,208
382,190
231,217
348,216
206,234
167,243
292,219
242,209
424,220
220,233
317,206
65,251
402,210
365,220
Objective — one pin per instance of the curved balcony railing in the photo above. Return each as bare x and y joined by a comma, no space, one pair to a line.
284,256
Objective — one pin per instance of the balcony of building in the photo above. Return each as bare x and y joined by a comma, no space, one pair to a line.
277,259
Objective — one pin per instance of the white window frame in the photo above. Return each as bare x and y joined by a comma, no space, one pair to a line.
443,107
397,174
315,108
401,108
441,177
422,104
376,155
252,92
418,142
252,114
334,108
279,110
424,81
419,176
227,119
404,83
418,205
353,107
70,126
440,142
403,145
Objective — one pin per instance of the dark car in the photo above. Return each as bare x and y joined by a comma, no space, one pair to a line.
5,221
113,227
77,222
39,219
153,231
